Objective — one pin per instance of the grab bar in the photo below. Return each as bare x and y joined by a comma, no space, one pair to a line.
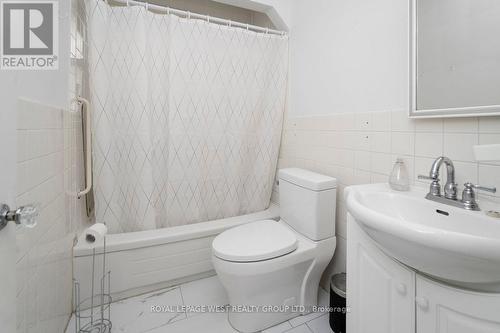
88,146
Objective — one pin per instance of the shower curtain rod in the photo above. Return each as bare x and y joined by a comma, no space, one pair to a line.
207,18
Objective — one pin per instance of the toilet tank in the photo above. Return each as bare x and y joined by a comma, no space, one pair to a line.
307,202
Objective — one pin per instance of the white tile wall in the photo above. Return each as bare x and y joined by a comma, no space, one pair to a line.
44,271
359,148
50,172
74,173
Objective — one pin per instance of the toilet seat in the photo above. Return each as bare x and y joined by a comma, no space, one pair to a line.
255,241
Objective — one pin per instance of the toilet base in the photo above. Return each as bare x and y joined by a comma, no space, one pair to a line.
265,293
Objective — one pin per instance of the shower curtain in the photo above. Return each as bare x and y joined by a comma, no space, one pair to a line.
187,117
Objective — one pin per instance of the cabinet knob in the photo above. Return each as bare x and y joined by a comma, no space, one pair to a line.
422,303
401,288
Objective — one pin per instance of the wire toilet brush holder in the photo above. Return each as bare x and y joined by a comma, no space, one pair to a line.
93,313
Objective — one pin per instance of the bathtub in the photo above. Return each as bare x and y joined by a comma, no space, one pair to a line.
149,260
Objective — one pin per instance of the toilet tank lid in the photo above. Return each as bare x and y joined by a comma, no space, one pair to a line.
308,179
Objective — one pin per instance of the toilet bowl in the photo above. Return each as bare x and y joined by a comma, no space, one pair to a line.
271,270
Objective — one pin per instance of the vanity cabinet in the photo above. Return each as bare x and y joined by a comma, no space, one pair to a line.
384,296
444,309
380,291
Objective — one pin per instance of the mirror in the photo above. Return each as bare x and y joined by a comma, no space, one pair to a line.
455,58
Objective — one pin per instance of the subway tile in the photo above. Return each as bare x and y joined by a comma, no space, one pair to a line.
305,123
43,253
380,142
379,178
362,160
428,144
422,167
345,175
381,163
332,139
400,121
459,146
429,125
307,138
381,121
328,169
361,177
341,221
489,124
489,138
461,125
464,172
22,145
346,121
361,141
489,176
403,143
345,158
289,138
363,121
323,122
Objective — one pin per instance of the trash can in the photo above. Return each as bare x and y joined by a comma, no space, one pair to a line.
337,303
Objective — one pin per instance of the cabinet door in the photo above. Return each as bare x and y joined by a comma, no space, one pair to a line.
380,291
444,309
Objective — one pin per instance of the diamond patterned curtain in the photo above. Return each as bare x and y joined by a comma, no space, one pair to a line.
187,117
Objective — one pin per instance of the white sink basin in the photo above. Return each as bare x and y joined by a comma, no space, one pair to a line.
452,244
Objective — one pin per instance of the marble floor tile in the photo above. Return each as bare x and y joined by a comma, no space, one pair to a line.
134,315
280,328
203,323
323,300
205,293
300,329
320,325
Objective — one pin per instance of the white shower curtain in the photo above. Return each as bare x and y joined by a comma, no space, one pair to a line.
187,117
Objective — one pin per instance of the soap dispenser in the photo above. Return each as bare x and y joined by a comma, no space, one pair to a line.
399,179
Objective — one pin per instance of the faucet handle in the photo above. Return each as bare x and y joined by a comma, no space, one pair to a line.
469,196
469,185
434,179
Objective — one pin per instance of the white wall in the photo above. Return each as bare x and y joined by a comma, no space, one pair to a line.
279,11
348,56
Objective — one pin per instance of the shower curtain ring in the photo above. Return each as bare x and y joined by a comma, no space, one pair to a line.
208,18
189,15
147,6
128,3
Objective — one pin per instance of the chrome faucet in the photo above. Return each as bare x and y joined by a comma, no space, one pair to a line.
450,188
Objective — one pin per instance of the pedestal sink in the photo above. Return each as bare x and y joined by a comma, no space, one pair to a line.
451,244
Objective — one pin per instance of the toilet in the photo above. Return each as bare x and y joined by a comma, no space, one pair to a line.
271,270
